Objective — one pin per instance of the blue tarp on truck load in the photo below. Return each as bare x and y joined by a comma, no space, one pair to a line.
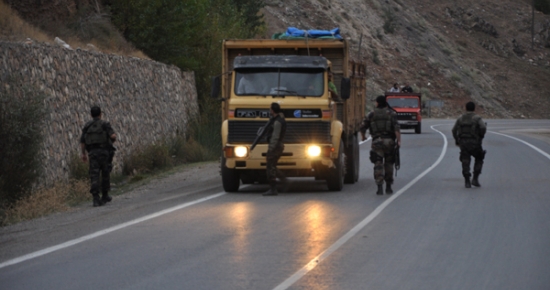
293,32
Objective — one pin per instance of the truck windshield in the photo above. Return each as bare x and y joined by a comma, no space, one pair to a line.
403,102
279,82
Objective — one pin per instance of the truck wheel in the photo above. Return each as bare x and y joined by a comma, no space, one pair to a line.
352,161
335,178
230,178
418,128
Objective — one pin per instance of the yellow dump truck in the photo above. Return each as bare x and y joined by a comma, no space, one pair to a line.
321,139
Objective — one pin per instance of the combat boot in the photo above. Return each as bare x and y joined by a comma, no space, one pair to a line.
475,181
380,190
272,191
97,202
467,183
105,197
389,190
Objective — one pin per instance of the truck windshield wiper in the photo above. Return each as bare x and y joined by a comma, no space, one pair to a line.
286,91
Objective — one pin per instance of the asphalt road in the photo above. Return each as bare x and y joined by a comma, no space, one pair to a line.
431,234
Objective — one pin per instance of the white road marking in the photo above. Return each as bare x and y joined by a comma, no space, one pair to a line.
318,259
526,143
105,231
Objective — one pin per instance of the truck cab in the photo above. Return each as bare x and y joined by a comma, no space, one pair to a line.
408,107
321,135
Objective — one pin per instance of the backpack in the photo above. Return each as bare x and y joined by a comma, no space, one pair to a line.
468,127
96,135
381,123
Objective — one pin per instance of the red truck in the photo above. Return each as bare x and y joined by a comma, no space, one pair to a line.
409,109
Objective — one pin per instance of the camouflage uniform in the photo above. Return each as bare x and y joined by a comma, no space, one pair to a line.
468,133
275,137
382,125
100,156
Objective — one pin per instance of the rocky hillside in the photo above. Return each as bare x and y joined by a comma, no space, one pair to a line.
449,50
454,51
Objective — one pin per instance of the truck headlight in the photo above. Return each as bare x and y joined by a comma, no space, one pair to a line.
314,151
241,151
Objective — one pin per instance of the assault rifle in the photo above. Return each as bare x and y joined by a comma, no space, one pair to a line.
261,133
396,151
397,159
112,150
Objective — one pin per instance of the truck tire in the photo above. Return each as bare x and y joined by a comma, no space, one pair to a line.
418,128
230,178
335,178
352,161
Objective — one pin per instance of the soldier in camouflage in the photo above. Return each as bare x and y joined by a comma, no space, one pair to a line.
468,133
275,137
97,140
386,137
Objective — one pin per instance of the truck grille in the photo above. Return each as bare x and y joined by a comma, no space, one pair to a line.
296,132
406,116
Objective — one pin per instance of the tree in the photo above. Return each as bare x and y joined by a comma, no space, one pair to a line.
542,6
186,33
253,18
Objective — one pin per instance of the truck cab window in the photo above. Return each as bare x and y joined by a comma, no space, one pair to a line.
403,103
288,82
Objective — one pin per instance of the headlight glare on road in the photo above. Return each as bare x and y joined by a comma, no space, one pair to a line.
313,151
241,151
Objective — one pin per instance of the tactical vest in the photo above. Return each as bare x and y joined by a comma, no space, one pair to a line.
283,129
467,127
96,136
381,123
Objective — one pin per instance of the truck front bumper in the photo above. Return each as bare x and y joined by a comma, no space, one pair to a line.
407,123
294,157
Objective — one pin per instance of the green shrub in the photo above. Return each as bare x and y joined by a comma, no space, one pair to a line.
379,34
390,24
78,169
22,113
375,57
456,78
199,145
426,93
147,159
543,6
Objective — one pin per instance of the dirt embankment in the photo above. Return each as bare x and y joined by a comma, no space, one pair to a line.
451,51
454,51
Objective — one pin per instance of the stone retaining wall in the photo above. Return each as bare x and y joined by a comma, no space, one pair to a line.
143,100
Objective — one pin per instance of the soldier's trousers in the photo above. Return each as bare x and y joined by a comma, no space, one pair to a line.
99,171
272,157
383,166
468,149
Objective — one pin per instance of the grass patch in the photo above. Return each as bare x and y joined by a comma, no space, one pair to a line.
13,28
43,201
85,27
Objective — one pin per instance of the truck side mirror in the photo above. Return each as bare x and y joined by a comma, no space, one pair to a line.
345,87
216,87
